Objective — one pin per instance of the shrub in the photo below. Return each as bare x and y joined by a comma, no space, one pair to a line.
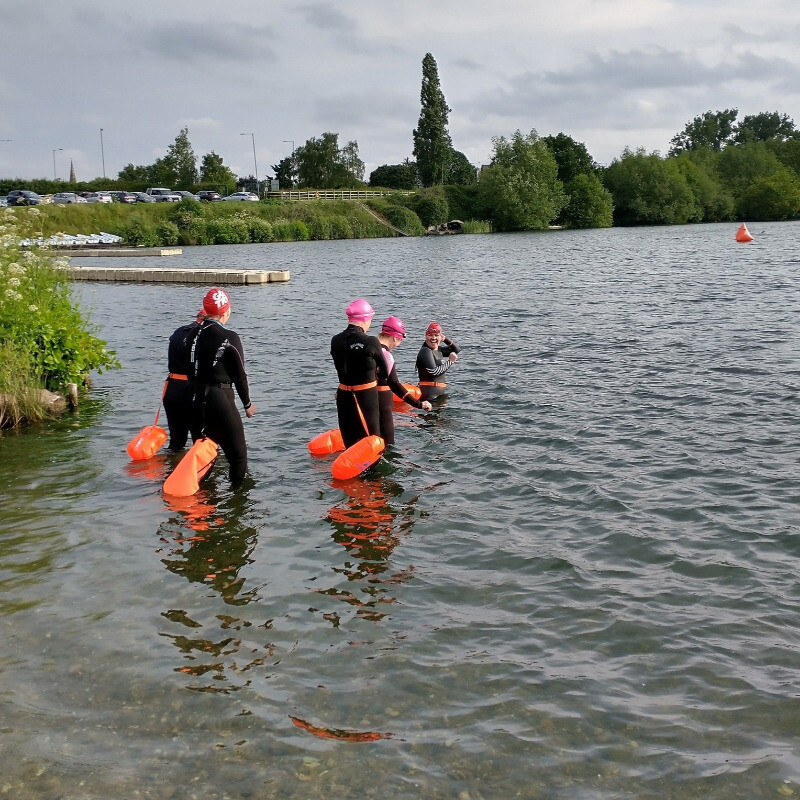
431,206
285,230
139,231
228,231
340,228
195,232
44,338
167,232
260,230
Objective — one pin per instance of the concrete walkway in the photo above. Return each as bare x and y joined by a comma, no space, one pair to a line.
211,277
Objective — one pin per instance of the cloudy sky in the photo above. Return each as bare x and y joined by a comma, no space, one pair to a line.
609,73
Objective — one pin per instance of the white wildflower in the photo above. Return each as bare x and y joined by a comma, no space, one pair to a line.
33,308
13,282
15,268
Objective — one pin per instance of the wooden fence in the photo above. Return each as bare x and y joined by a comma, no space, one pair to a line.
333,194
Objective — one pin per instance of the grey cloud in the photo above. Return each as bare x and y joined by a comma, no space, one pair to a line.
202,42
326,17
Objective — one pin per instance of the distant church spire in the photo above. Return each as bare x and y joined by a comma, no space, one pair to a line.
72,178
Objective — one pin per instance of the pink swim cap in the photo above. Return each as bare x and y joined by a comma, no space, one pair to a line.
359,311
393,326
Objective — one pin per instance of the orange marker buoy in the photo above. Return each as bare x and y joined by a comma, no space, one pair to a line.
412,389
145,444
743,235
364,453
326,443
185,479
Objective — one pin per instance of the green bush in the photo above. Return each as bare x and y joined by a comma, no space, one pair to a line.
44,338
228,231
260,230
139,231
431,206
167,232
341,228
285,230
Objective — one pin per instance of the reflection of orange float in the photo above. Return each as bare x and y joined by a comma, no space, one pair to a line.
326,443
413,390
358,457
743,235
193,467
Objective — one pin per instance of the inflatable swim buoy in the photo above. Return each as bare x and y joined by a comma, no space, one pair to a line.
412,389
743,235
353,461
193,467
326,443
145,444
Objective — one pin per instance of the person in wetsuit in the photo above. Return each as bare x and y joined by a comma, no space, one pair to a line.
393,331
179,390
359,362
436,356
216,357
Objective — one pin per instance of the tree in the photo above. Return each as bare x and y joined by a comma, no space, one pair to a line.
213,172
572,157
711,129
739,166
773,197
180,162
432,144
285,172
715,201
520,189
649,190
322,165
459,171
764,126
589,205
395,176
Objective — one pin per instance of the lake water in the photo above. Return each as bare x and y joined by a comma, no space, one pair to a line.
576,579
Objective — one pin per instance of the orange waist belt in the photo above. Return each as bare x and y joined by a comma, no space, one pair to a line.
384,388
432,383
177,377
358,387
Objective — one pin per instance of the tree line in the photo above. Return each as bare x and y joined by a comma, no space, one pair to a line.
717,169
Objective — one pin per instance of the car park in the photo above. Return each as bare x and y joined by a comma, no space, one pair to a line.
100,197
23,197
209,195
67,198
164,195
3,202
187,195
143,197
242,197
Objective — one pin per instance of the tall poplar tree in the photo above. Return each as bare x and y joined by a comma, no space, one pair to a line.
432,144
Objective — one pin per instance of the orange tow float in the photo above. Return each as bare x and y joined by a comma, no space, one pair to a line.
326,443
185,479
412,389
358,457
743,235
149,439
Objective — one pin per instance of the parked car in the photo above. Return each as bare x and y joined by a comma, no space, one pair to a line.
164,195
67,198
184,195
23,197
122,197
100,197
3,202
143,197
209,195
242,197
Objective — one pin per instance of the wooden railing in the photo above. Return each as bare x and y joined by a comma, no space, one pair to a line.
333,194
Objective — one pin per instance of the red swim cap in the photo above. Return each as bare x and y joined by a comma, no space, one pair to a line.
434,327
393,326
216,302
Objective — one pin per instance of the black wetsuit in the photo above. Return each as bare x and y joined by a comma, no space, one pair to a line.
359,363
431,366
386,387
217,361
179,389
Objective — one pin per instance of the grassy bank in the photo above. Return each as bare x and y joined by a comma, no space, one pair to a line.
46,342
193,223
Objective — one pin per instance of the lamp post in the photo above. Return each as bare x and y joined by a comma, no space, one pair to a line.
102,152
255,163
57,150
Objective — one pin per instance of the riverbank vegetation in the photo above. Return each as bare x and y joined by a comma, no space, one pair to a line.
718,168
46,341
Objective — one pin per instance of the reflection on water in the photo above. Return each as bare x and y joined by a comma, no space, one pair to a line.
369,522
